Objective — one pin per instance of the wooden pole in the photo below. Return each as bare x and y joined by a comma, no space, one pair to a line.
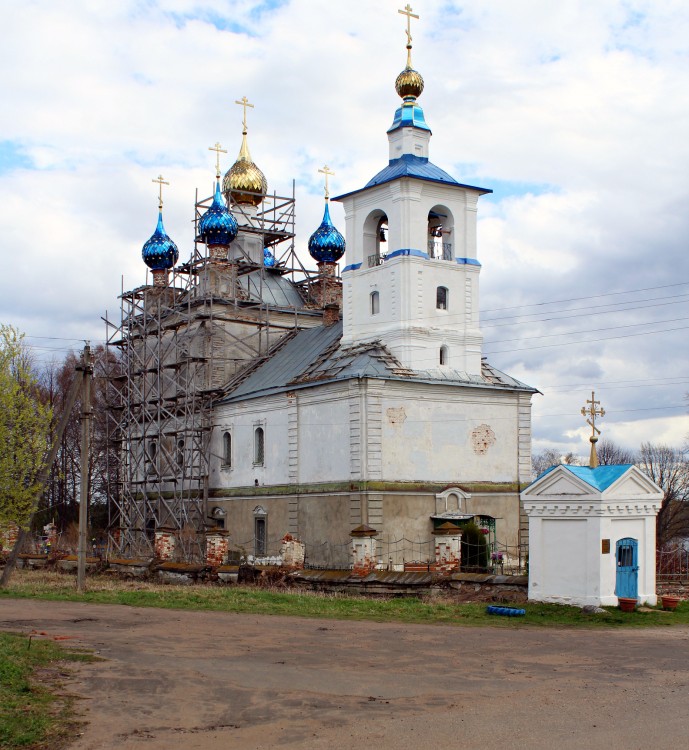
85,451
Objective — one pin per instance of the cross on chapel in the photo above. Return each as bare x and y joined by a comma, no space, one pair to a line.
591,412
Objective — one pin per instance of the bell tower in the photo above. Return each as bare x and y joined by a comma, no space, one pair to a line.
411,279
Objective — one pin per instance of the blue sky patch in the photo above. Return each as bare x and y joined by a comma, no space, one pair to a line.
13,156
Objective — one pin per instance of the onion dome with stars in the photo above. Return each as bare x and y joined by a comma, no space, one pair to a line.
217,226
326,244
160,253
244,183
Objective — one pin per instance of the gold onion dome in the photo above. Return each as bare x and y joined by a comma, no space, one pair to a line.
244,178
409,82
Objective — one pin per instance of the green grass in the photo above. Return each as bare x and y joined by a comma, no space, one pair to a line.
251,600
32,713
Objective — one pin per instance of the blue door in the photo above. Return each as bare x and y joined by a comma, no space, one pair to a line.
627,568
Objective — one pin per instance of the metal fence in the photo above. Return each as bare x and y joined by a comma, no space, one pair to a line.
672,564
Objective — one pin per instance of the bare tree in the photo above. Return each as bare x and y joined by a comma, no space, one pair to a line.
669,468
541,462
610,453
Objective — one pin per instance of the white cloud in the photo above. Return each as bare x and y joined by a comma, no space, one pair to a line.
575,111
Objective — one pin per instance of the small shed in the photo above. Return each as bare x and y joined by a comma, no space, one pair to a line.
592,535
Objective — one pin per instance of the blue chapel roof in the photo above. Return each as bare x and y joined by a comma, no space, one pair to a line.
599,478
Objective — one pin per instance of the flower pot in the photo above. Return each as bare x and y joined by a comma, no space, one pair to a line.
670,602
626,604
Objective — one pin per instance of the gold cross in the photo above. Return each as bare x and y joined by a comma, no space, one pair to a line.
592,412
244,102
408,13
327,172
159,179
218,150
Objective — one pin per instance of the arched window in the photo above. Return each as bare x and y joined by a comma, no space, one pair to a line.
259,446
443,355
180,453
442,298
375,303
152,456
227,449
260,531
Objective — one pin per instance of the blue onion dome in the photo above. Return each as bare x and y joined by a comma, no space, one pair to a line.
326,244
160,252
269,260
217,225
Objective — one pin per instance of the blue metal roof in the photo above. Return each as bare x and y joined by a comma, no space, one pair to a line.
418,167
599,478
409,116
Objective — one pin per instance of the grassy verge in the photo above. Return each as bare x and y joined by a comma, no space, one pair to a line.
244,599
33,714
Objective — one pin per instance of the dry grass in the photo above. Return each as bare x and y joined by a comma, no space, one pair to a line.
277,600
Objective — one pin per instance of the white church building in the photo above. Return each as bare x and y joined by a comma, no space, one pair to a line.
369,403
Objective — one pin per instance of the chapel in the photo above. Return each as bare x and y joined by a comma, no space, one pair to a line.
261,398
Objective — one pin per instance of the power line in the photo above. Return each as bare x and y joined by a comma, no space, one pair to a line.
593,296
588,341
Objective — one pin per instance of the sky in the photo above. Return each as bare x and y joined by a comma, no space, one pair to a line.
574,113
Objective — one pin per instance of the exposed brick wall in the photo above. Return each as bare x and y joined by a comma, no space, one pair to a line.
217,546
165,544
293,552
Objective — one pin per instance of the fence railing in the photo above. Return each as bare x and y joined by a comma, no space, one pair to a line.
672,564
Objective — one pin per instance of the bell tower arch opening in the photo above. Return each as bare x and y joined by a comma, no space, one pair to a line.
440,232
375,238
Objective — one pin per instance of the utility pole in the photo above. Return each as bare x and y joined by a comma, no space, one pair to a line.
86,372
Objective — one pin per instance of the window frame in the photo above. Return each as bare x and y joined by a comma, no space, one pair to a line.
374,302
227,442
259,445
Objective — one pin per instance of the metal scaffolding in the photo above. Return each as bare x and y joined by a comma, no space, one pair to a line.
176,347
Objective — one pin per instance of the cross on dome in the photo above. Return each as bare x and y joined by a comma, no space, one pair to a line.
218,150
159,179
328,173
408,13
244,103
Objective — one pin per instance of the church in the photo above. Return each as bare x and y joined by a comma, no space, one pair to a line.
258,397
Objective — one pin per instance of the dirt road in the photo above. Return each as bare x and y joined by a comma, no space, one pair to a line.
207,680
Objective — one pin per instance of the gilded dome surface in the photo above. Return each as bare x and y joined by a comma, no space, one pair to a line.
243,176
409,83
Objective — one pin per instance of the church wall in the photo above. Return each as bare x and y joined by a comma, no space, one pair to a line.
324,436
242,420
241,519
449,434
